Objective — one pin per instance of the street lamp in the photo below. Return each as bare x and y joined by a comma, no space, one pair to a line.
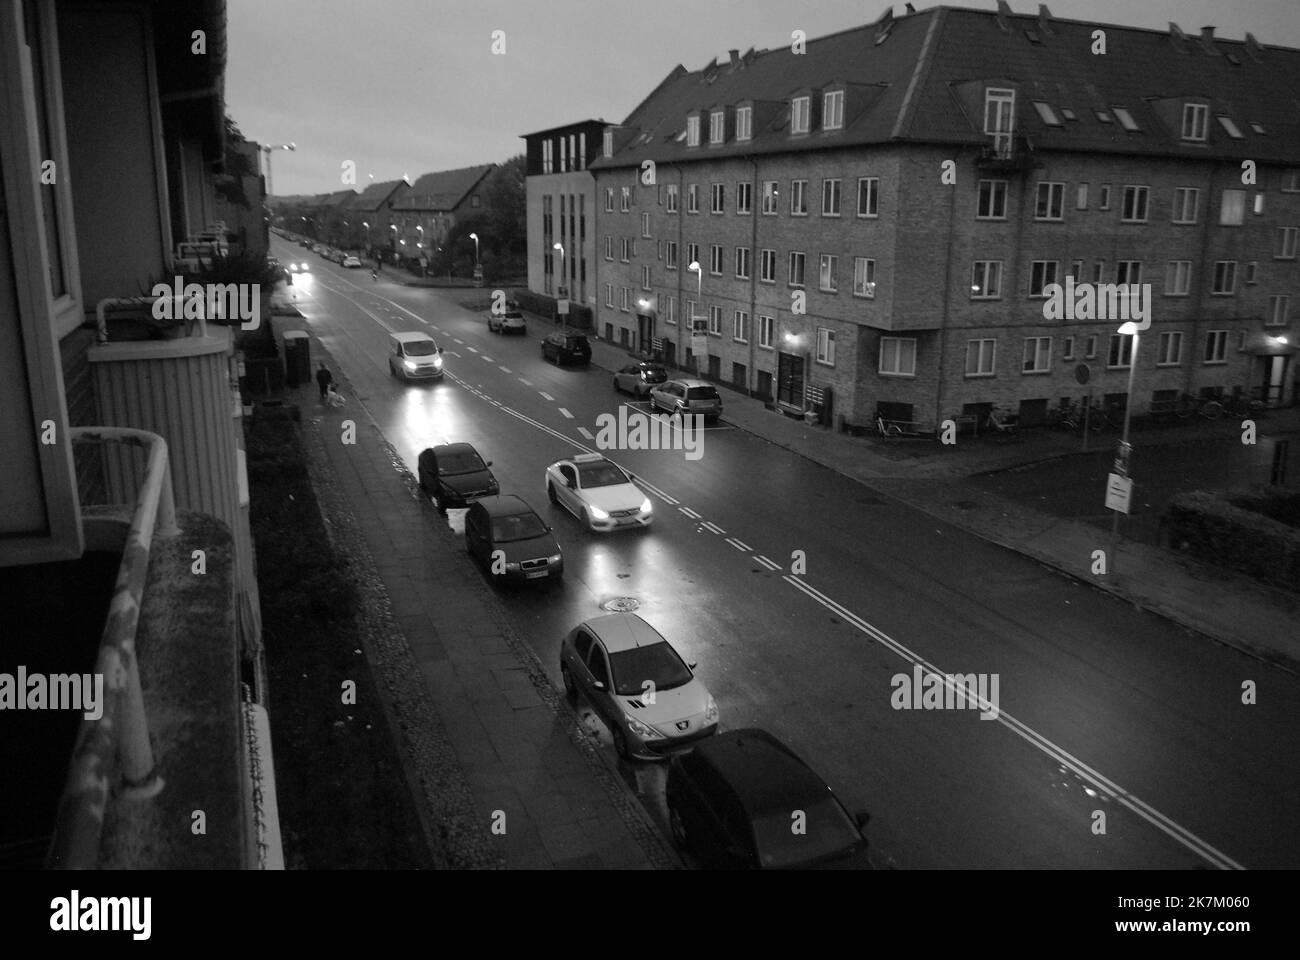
1128,329
367,226
474,237
560,291
266,149
694,266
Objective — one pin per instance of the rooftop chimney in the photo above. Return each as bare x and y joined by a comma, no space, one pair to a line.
735,57
910,8
1004,14
1207,40
1253,48
1044,17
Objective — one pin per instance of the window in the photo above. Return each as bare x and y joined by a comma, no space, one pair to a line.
1277,311
992,200
692,198
672,198
800,114
769,197
715,259
715,321
1038,355
1092,348
1076,270
767,272
765,325
868,196
1103,197
864,277
1098,271
1225,277
1186,200
1050,201
742,263
826,346
1104,117
609,294
625,249
607,147
692,131
1042,274
986,280
1291,180
1178,278
609,248
609,199
688,311
670,255
717,126
898,356
645,276
979,357
1195,121
1286,242
744,123
1230,128
1135,204
645,224
1121,350
1067,349
1047,114
692,254
625,197
1128,271
1216,346
744,197
740,327
798,198
833,110
1259,203
831,198
1125,119
670,310
829,268
1232,209
717,198
623,295
796,268
1081,196
999,107
1169,351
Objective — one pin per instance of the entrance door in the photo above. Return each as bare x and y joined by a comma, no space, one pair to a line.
645,332
1274,377
789,379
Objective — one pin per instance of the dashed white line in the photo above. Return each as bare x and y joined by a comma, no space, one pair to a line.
526,383
547,396
737,544
457,340
712,527
452,353
567,414
689,512
586,433
504,369
470,349
488,359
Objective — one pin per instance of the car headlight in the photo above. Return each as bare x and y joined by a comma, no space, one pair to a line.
599,514
646,505
642,730
409,364
437,361
512,566
711,711
493,486
553,558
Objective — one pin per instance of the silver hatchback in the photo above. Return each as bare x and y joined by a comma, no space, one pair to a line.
687,397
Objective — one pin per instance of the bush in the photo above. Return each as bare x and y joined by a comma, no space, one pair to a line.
1280,505
1211,527
580,316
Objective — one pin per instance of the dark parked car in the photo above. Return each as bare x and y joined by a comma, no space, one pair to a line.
453,474
508,537
561,347
743,800
638,378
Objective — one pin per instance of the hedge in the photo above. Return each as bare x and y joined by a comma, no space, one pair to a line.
580,317
1212,528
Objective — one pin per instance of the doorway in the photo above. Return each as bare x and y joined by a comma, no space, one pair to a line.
789,379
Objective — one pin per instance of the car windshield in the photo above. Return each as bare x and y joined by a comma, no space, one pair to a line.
702,393
420,348
600,474
514,316
658,663
521,526
450,464
828,831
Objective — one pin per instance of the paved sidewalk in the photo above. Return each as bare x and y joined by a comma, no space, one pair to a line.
930,477
482,730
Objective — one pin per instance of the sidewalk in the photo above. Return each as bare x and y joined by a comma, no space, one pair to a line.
1229,608
481,729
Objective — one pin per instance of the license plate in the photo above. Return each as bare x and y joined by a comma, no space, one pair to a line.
533,575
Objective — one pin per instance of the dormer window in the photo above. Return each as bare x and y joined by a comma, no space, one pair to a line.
1047,114
1231,128
693,131
607,146
1125,119
744,123
999,116
833,110
1257,127
1196,121
800,114
717,126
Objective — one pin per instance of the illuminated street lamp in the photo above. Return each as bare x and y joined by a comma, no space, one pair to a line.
367,226
474,237
694,266
266,149
1128,329
561,292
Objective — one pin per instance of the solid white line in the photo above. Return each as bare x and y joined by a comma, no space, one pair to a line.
657,492
547,396
737,544
712,528
689,512
567,414
586,433
764,562
1144,810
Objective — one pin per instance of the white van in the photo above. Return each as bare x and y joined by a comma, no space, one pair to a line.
414,356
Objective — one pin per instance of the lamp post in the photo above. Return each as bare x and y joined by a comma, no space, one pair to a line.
694,266
1122,461
367,226
474,237
266,149
560,292
393,227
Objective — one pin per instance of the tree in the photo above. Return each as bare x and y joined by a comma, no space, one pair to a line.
229,184
506,199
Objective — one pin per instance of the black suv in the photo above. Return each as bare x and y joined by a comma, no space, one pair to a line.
732,802
563,347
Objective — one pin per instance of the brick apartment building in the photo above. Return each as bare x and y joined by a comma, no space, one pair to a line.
920,182
425,211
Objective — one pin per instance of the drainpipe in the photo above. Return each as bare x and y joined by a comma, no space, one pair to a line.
945,327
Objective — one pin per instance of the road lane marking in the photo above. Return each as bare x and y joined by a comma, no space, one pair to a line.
456,339
470,349
526,383
567,414
1103,784
547,396
488,359
657,492
452,353
504,369
689,512
712,527
586,433
763,561
738,545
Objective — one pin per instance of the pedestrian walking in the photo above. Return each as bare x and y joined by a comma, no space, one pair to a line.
324,379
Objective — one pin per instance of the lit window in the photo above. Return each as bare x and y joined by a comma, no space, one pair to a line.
864,277
1232,210
770,192
826,346
692,131
986,280
672,198
717,126
829,269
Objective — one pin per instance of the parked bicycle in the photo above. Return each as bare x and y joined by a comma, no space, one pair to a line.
1211,408
1241,405
1067,416
887,428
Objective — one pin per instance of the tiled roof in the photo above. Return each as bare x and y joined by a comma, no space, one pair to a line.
371,198
924,82
440,191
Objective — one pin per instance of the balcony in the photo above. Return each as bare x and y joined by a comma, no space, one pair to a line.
1007,153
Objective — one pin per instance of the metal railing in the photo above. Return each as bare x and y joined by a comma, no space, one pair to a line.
144,304
119,739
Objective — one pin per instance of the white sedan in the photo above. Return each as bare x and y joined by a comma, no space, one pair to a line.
598,493
351,261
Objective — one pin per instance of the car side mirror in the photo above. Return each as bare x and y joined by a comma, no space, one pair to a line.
489,463
692,664
440,349
598,685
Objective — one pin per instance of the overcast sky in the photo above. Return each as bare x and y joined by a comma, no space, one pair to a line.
412,86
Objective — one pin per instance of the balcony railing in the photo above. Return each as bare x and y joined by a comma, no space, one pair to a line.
117,743
1007,153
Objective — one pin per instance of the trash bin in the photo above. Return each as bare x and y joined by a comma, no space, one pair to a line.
297,358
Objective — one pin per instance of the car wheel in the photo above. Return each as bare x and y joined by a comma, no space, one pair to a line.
550,492
570,688
677,825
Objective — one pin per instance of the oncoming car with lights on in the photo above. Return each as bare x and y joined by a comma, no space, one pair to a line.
598,493
414,356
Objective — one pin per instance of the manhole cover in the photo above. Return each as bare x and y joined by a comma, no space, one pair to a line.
621,604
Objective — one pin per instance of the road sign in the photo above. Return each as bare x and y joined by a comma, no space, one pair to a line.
1082,372
562,307
1119,493
699,347
1123,456
478,276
